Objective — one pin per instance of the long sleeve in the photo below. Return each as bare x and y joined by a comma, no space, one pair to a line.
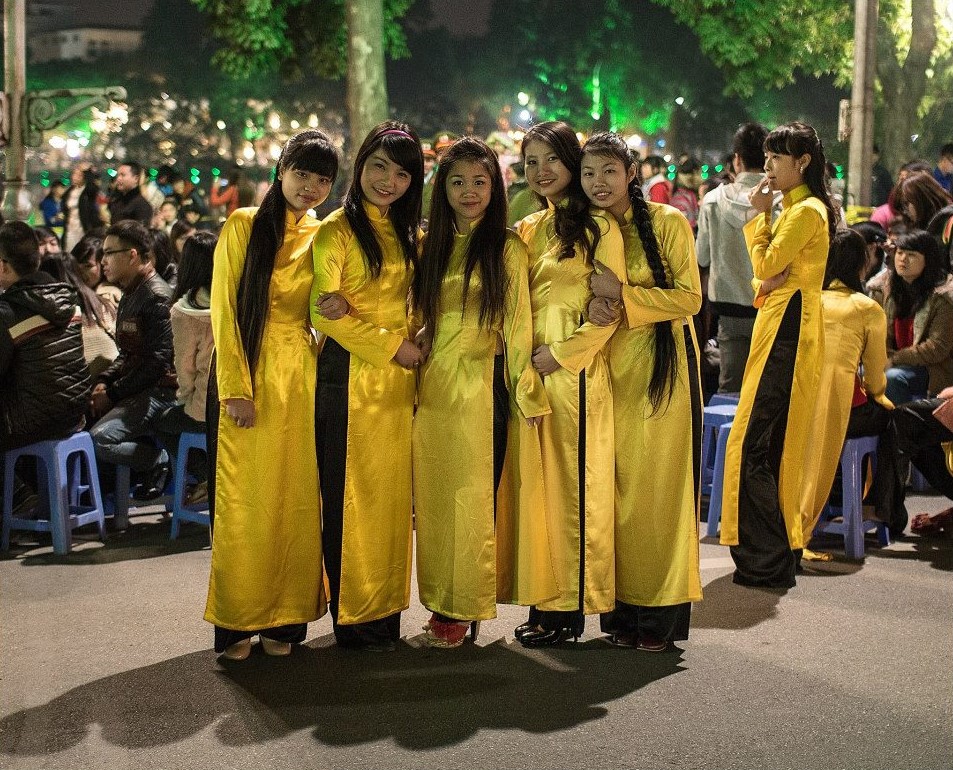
222,196
365,340
234,376
937,344
525,382
576,352
648,305
874,355
770,254
703,242
154,359
186,355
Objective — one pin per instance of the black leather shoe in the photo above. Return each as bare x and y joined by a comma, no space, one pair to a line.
154,484
546,638
525,628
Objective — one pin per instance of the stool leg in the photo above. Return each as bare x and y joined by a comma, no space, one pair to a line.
717,481
122,497
852,489
7,503
59,507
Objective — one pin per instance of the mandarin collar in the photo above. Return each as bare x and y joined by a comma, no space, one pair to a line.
795,195
469,231
291,222
374,213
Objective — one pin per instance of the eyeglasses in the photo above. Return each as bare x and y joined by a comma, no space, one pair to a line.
110,252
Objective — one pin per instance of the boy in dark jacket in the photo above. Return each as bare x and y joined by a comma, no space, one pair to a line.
140,384
44,380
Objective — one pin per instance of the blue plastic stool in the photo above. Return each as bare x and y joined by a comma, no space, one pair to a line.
67,483
720,399
197,513
852,526
714,418
718,480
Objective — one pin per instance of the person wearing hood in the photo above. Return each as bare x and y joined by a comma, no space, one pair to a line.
192,342
44,380
721,248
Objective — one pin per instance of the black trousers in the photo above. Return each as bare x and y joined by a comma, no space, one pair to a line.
887,487
225,637
669,623
331,431
919,435
501,416
763,556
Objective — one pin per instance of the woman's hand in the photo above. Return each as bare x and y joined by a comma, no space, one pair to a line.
408,355
242,411
603,312
534,422
424,341
604,283
332,306
760,200
543,360
770,284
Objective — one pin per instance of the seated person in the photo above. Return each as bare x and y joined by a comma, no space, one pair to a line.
44,380
192,338
925,434
846,406
140,384
919,307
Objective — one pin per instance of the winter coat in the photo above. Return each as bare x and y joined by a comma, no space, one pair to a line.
44,380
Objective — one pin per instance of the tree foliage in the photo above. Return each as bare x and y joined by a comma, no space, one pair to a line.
292,37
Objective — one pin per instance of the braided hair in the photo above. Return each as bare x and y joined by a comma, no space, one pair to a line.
665,366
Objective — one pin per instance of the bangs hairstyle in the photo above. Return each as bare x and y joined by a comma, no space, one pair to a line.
399,143
910,297
665,365
845,259
926,195
307,151
797,139
573,223
484,247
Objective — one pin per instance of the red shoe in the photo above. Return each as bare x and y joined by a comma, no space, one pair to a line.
447,635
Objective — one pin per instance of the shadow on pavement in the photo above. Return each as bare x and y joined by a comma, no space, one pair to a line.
419,698
730,606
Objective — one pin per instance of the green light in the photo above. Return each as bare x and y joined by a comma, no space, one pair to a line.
194,171
44,182
671,174
65,181
705,168
195,180
153,173
704,175
216,171
719,168
44,175
111,172
671,168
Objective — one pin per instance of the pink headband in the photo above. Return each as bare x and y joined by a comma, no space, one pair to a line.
396,131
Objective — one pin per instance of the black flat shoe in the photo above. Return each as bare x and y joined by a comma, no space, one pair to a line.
546,638
524,628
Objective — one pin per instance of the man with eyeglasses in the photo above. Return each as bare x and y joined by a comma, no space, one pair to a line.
140,384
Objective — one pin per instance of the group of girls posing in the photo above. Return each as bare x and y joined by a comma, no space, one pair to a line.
553,457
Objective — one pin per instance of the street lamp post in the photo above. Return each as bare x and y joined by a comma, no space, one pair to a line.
25,115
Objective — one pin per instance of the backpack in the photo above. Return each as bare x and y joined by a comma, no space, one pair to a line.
686,201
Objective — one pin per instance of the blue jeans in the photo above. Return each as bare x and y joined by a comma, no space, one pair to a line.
118,435
906,383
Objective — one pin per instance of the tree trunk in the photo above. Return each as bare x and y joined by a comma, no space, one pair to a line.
366,76
903,85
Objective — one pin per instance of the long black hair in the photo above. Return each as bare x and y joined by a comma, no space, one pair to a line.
484,247
310,151
65,269
402,146
665,366
89,246
195,266
797,139
910,297
574,224
845,259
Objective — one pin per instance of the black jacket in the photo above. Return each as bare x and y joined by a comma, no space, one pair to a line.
130,205
144,339
44,380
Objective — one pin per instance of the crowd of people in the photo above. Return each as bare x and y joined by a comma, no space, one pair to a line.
525,392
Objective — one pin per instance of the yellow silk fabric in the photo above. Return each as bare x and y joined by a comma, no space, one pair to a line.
656,505
855,332
377,540
266,552
453,444
798,240
559,295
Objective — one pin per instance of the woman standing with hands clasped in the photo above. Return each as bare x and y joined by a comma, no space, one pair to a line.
762,510
365,254
266,547
656,396
564,242
472,293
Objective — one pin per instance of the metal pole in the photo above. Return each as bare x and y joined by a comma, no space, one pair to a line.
16,200
862,103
